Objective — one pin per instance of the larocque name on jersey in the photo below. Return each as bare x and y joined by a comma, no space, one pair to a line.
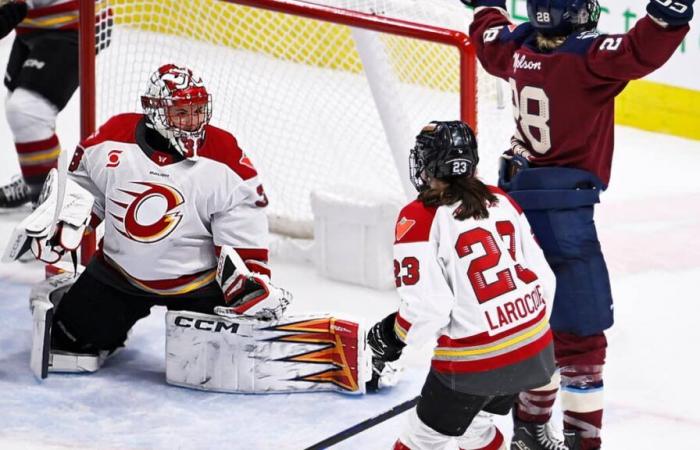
511,313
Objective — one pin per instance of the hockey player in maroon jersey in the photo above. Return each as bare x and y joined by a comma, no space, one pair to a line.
182,206
564,78
471,276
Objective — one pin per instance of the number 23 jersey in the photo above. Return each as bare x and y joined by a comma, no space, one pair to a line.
483,285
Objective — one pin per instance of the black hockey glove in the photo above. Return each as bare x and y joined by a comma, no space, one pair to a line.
386,347
11,15
672,12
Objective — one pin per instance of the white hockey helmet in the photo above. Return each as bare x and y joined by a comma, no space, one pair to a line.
179,107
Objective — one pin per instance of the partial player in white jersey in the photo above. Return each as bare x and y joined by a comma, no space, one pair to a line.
471,278
179,199
41,77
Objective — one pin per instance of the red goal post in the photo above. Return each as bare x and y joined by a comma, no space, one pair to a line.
276,176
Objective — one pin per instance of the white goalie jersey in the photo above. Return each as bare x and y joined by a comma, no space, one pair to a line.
163,218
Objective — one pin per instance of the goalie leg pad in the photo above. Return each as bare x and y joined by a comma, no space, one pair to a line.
43,300
308,353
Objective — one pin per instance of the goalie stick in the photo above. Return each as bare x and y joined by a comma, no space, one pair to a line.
364,425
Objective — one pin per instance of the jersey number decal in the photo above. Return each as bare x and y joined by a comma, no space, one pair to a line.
611,43
263,202
491,34
528,121
491,260
406,272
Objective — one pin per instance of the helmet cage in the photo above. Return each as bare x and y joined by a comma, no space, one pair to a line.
172,86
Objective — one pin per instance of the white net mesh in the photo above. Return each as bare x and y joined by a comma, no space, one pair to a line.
294,91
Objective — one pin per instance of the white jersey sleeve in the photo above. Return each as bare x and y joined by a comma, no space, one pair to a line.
426,297
242,223
79,173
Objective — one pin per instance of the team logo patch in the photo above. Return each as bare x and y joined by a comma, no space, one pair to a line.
113,158
150,214
403,226
246,161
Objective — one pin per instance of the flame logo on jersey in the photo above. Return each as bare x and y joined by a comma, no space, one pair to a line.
328,334
151,214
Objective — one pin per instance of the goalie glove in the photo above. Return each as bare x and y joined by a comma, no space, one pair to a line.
386,348
248,293
49,240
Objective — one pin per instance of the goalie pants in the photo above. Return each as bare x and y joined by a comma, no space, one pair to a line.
94,315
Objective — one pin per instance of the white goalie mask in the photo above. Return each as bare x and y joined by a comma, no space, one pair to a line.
179,107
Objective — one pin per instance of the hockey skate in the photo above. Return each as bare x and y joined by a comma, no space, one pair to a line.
15,193
535,436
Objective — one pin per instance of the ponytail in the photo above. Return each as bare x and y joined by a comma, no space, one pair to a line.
474,195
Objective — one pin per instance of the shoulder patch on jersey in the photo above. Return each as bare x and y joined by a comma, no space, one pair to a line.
403,226
498,191
414,222
120,128
221,146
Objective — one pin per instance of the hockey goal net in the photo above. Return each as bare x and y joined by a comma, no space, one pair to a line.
318,94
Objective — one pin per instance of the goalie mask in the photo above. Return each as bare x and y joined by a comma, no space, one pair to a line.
178,106
562,17
443,150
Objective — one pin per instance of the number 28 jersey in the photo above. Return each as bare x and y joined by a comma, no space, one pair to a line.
482,287
564,100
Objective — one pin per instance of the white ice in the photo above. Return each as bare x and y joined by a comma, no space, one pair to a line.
649,224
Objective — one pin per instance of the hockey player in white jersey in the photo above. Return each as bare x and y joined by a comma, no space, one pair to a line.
178,197
41,76
471,276
185,228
